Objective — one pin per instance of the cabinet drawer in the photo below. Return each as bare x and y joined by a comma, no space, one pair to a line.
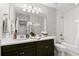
16,47
46,42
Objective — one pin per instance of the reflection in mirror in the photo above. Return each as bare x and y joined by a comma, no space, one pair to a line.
5,25
38,23
25,22
21,23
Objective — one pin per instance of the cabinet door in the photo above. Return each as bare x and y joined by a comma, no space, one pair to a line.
45,48
27,50
12,53
9,50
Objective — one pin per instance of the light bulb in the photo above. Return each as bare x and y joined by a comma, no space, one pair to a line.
24,9
37,12
25,5
34,8
30,7
39,9
33,11
29,10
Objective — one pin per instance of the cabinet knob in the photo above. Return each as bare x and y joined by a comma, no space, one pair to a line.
21,53
46,46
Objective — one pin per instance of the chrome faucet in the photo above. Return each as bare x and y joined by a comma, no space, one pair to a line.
61,37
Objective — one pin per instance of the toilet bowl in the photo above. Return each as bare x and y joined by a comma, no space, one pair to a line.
60,48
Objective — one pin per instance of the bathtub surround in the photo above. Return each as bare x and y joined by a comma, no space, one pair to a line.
60,25
69,26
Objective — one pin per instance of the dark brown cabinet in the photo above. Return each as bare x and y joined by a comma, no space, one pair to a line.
40,48
26,49
45,48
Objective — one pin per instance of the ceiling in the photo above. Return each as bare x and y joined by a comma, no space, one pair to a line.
61,6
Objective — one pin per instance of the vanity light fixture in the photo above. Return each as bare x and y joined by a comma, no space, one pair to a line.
31,9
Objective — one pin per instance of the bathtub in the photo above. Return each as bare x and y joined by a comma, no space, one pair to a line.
71,50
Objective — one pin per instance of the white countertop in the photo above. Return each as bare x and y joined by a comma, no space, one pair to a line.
18,41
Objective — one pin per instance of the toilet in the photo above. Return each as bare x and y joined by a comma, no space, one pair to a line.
60,49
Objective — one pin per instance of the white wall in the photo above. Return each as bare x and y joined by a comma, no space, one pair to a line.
59,24
4,8
71,28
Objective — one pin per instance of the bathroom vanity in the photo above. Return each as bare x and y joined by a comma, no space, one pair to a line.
26,33
32,47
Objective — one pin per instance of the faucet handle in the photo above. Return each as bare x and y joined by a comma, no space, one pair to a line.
61,34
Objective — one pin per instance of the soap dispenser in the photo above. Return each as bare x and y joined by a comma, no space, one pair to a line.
15,34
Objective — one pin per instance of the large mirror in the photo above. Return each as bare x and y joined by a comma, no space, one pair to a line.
25,21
